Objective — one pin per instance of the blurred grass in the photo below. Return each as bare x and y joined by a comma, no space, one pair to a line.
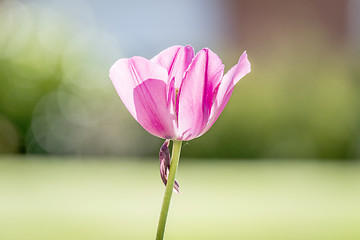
44,198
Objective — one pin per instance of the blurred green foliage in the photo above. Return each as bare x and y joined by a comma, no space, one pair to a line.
56,97
28,72
296,106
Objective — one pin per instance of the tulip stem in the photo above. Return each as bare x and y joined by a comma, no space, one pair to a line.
176,148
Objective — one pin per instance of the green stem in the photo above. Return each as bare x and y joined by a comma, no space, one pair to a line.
169,189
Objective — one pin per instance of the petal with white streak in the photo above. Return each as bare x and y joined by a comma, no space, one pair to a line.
196,93
175,60
226,87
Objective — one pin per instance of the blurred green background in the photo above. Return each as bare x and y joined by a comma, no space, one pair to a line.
74,164
300,101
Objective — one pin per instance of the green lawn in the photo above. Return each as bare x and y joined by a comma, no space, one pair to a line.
110,199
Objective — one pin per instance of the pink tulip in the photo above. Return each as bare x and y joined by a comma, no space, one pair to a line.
176,95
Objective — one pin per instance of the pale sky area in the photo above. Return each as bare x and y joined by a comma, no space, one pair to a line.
160,23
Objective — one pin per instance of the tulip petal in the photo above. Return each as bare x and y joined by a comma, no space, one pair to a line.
196,94
226,87
141,85
152,110
127,73
175,60
232,77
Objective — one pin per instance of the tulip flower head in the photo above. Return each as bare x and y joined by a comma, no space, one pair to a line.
176,95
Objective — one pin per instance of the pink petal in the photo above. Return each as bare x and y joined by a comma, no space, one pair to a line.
226,87
141,85
152,111
233,76
196,93
175,60
127,73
